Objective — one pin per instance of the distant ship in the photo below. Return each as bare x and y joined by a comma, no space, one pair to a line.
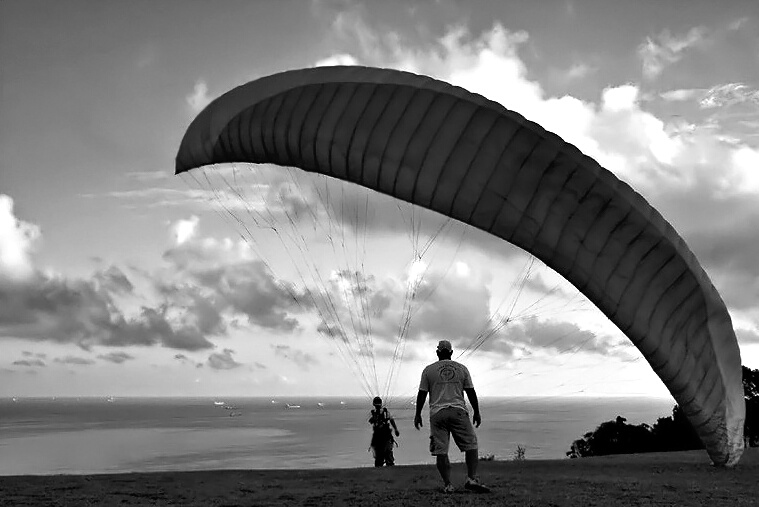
292,406
14,400
110,399
218,403
320,404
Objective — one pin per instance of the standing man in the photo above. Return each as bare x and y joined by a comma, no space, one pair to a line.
446,381
382,435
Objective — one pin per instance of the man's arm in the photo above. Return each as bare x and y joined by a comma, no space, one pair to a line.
472,395
421,397
392,423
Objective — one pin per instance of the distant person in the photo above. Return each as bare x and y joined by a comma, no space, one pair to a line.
446,381
383,427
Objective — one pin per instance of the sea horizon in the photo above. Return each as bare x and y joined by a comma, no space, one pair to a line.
113,434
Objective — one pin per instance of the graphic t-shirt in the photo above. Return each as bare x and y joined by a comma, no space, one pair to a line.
445,382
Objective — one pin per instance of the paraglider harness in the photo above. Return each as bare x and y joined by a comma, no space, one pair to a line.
382,432
382,437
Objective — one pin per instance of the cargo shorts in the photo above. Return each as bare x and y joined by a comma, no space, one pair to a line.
451,421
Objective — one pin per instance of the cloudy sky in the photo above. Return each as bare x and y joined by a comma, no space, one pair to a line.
118,278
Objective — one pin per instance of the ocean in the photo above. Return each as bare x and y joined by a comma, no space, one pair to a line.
108,435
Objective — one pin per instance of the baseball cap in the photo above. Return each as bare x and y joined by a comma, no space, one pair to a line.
444,345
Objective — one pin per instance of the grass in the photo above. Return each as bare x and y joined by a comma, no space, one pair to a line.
660,479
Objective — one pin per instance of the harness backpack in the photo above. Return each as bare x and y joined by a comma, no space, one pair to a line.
381,425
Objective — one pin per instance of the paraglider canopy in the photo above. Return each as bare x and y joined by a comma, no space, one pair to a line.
441,147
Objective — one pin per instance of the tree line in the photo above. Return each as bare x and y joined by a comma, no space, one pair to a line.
673,433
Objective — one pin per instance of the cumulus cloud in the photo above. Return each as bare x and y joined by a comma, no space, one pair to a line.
455,307
341,59
74,360
113,280
430,303
729,94
37,363
17,239
41,305
747,336
223,360
665,49
158,197
199,97
739,23
148,176
302,359
53,308
40,355
532,335
116,357
225,277
682,94
620,99
203,283
186,360
729,253
184,230
577,71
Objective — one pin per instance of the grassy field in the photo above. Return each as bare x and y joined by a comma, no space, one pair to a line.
675,479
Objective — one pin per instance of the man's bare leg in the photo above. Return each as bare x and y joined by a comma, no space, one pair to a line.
444,467
471,463
472,482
